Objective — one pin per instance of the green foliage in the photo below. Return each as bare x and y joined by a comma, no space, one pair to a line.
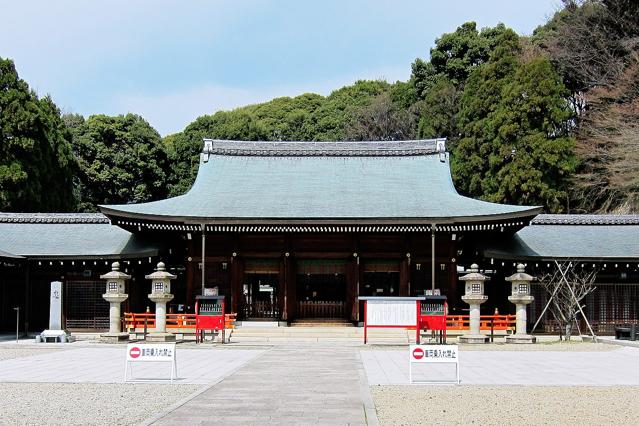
382,120
306,117
515,145
122,160
36,162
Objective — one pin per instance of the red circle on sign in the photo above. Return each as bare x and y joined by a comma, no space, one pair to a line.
134,352
418,353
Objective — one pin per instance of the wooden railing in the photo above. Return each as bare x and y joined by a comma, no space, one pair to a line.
497,322
134,321
321,309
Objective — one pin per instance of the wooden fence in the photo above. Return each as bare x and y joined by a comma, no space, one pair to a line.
321,309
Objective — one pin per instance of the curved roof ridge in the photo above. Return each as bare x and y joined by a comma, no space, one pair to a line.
324,148
586,219
53,218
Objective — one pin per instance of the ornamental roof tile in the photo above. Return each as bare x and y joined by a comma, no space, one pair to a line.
53,218
585,219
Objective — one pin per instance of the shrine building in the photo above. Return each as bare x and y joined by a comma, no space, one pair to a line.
297,230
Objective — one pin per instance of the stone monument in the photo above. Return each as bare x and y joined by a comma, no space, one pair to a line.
55,332
520,282
474,297
160,294
115,295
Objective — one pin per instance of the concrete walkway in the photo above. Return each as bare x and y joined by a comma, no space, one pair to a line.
106,365
312,384
538,368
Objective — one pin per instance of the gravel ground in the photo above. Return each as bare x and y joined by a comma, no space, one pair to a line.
555,346
86,404
505,405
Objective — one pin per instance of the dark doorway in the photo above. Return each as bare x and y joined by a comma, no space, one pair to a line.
381,278
260,295
85,308
321,289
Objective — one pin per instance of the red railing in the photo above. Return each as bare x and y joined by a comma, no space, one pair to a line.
134,321
496,322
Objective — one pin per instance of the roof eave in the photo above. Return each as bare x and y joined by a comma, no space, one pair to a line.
527,215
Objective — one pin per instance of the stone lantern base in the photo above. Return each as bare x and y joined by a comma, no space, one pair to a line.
473,338
160,337
521,338
114,337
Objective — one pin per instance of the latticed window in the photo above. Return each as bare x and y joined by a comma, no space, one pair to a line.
523,288
113,286
475,289
158,286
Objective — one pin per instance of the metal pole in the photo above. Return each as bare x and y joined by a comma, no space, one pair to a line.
203,255
432,255
17,309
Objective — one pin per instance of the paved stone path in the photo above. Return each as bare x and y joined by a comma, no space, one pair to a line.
106,365
542,368
287,385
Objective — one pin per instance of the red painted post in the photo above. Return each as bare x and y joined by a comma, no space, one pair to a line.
418,325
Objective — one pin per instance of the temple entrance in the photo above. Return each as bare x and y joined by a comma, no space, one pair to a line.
321,289
381,278
260,295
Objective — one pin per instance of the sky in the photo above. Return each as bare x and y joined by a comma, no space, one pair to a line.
172,61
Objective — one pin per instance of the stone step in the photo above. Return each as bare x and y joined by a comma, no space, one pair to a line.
324,322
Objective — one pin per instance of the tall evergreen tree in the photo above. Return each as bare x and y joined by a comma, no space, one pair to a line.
515,145
36,161
122,160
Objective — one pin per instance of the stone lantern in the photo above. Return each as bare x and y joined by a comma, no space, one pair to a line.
520,296
474,297
115,295
160,294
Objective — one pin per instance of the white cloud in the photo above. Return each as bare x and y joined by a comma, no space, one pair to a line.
172,112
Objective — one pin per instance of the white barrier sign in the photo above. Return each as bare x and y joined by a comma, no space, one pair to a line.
161,352
432,354
391,312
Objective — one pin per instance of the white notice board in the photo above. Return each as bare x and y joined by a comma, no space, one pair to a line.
147,352
391,312
430,354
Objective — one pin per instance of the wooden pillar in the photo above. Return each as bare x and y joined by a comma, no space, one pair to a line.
282,288
404,276
27,298
352,279
236,283
453,294
190,277
290,289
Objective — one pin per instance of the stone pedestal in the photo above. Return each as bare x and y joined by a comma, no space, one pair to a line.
474,335
160,334
115,295
521,298
474,297
115,333
160,294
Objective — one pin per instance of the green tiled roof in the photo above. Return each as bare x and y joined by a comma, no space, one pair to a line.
344,181
579,242
76,236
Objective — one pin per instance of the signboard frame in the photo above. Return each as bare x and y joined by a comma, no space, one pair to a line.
388,321
435,357
159,352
